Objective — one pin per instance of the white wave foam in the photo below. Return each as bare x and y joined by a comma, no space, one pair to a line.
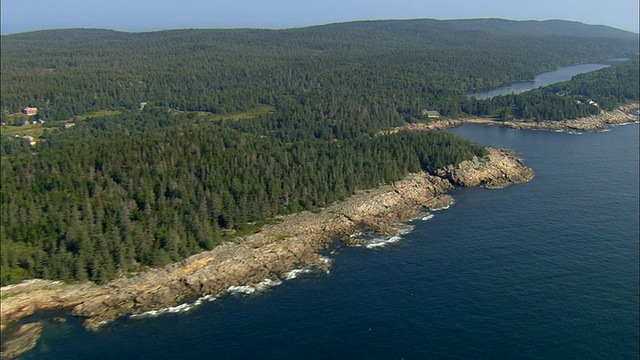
428,216
376,243
441,208
203,299
296,272
625,123
242,289
267,283
372,242
406,229
250,289
174,309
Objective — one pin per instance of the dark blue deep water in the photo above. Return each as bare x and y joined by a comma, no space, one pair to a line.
542,270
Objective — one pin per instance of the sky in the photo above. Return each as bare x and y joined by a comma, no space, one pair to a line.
148,15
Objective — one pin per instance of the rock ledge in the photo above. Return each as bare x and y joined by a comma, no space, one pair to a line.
272,253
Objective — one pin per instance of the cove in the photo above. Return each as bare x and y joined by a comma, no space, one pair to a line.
543,79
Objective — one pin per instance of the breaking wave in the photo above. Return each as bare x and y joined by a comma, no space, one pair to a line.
626,123
233,290
382,242
373,242
441,208
174,309
250,289
241,289
296,272
428,216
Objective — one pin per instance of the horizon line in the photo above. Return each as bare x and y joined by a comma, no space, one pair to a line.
305,26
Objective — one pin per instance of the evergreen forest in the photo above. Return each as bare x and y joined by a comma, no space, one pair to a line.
155,146
584,95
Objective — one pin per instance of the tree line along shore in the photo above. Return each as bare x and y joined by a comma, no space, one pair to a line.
297,241
165,174
141,151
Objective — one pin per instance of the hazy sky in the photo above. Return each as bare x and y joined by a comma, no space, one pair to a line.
143,15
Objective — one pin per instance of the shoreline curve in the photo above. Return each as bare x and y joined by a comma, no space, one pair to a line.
273,252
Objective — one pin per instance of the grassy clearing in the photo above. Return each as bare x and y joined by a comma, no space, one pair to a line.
33,130
84,117
36,130
249,114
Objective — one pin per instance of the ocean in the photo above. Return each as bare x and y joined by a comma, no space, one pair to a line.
542,270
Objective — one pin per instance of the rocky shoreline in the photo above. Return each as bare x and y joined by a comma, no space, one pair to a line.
296,242
600,122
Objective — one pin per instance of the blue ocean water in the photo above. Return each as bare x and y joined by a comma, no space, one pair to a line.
542,270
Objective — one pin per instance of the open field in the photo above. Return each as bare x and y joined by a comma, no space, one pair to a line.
249,114
36,130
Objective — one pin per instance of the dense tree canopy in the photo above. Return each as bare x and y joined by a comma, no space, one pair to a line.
130,186
126,196
340,71
586,94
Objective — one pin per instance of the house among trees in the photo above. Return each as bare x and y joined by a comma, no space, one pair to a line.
30,110
430,113
30,139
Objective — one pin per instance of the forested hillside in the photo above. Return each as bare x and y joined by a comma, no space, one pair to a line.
237,126
108,195
584,95
334,72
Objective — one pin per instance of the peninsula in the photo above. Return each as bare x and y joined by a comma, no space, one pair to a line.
145,170
601,122
296,242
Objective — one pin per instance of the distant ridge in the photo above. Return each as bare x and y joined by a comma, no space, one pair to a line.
546,28
496,25
491,25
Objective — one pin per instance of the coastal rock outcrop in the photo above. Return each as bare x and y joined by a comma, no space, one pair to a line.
22,340
296,242
22,300
600,122
498,169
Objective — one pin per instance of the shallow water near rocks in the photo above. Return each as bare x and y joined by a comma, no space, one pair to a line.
545,269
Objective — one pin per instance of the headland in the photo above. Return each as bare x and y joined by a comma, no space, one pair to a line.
296,242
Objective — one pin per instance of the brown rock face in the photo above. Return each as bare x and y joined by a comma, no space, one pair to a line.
21,300
498,169
23,340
